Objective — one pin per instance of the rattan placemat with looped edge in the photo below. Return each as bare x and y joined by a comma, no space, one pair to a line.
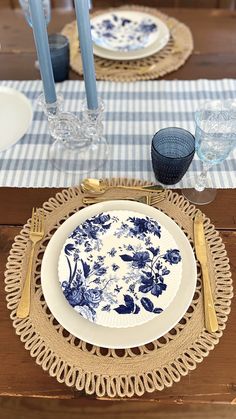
108,372
170,58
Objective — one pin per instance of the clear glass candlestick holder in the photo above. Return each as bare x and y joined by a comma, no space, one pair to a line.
91,132
79,145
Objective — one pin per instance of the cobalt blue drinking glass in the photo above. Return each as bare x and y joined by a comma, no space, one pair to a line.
60,56
172,152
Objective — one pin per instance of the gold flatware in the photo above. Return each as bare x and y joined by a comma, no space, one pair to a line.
201,252
154,199
36,234
91,200
100,186
147,199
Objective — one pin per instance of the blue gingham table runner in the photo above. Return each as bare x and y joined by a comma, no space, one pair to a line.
134,112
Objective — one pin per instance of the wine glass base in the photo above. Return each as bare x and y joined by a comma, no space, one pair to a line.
82,158
200,198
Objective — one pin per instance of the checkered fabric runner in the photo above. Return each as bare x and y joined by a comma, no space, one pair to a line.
134,112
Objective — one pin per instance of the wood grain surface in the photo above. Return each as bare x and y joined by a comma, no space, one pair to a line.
214,33
222,211
28,408
69,4
210,390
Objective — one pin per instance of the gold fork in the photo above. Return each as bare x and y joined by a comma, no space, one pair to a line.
95,200
153,199
146,199
36,234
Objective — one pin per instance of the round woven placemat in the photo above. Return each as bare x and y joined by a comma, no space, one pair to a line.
108,372
170,58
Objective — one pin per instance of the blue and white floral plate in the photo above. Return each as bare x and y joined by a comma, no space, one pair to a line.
123,337
134,35
120,268
124,30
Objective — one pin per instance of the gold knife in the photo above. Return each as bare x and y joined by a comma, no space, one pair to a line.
201,252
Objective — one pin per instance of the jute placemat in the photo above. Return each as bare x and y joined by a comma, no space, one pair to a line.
170,58
107,371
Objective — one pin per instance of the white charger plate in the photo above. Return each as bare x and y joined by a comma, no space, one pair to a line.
160,42
16,115
109,337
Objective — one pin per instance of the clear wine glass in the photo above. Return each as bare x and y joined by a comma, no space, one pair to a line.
47,10
215,138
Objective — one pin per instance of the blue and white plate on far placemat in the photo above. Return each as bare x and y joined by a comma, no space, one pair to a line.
118,274
120,268
124,30
122,35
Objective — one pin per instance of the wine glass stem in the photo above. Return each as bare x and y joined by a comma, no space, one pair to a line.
201,181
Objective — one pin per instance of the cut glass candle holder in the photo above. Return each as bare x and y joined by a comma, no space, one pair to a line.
79,144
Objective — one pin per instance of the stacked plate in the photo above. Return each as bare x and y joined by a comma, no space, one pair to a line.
118,274
14,106
128,35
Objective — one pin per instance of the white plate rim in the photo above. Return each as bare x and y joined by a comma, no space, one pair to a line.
28,122
138,54
100,335
143,15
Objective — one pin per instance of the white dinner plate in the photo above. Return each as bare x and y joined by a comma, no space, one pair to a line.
109,337
15,116
160,42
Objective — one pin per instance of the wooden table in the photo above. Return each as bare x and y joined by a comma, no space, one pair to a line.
213,383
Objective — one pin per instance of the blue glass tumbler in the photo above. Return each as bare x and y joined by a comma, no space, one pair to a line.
60,56
172,152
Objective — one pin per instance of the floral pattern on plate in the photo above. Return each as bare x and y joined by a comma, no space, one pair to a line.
124,32
120,268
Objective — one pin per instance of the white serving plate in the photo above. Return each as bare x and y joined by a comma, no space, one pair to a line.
111,337
16,115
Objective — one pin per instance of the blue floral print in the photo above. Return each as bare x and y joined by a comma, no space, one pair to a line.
172,256
123,34
94,283
139,227
152,278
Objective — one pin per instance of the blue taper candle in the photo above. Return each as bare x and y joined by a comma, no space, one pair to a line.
86,48
41,42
